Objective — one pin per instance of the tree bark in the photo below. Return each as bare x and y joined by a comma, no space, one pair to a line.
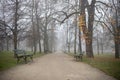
80,45
15,30
46,45
88,30
38,32
7,42
117,47
46,49
116,50
97,45
102,51
75,35
89,48
33,31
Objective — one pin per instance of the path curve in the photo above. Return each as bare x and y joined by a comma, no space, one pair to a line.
57,66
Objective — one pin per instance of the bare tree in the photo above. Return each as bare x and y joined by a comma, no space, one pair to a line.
38,27
111,22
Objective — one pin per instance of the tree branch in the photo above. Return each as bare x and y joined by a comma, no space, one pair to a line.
103,3
103,23
67,16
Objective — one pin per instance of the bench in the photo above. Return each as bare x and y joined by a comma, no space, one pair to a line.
21,54
78,57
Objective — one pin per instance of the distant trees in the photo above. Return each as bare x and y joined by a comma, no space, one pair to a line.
13,16
86,26
71,28
43,24
36,20
16,25
5,37
115,18
111,22
2,34
88,32
88,17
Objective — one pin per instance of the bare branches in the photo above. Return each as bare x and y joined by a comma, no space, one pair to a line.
103,3
68,16
104,25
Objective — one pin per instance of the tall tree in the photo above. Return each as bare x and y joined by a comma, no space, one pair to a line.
33,27
37,22
116,28
87,29
14,29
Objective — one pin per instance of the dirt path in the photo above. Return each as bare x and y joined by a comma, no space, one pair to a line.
54,67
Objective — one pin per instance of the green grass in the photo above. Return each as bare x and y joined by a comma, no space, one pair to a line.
38,55
106,63
7,59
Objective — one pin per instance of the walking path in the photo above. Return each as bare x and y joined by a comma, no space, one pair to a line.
56,66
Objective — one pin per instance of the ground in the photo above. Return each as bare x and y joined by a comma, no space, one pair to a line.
56,66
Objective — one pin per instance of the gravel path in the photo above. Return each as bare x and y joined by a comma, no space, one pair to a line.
54,67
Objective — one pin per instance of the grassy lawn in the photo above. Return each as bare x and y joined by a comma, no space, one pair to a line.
106,63
7,60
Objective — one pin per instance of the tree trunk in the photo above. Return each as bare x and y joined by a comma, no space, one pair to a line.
7,41
34,39
88,30
38,29
39,39
15,30
117,34
15,42
33,27
46,44
102,46
117,47
98,45
80,45
68,47
89,49
91,13
40,50
67,40
2,47
75,40
35,48
75,34
116,50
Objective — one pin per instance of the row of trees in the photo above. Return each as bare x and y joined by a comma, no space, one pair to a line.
36,21
32,20
93,13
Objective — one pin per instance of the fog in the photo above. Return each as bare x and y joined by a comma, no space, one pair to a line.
39,25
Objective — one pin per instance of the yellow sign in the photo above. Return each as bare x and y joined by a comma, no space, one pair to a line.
81,21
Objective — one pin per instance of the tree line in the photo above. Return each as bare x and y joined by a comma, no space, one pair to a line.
36,21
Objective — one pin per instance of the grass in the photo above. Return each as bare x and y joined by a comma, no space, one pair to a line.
106,63
7,59
38,55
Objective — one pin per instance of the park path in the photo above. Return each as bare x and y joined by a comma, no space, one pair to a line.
56,66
